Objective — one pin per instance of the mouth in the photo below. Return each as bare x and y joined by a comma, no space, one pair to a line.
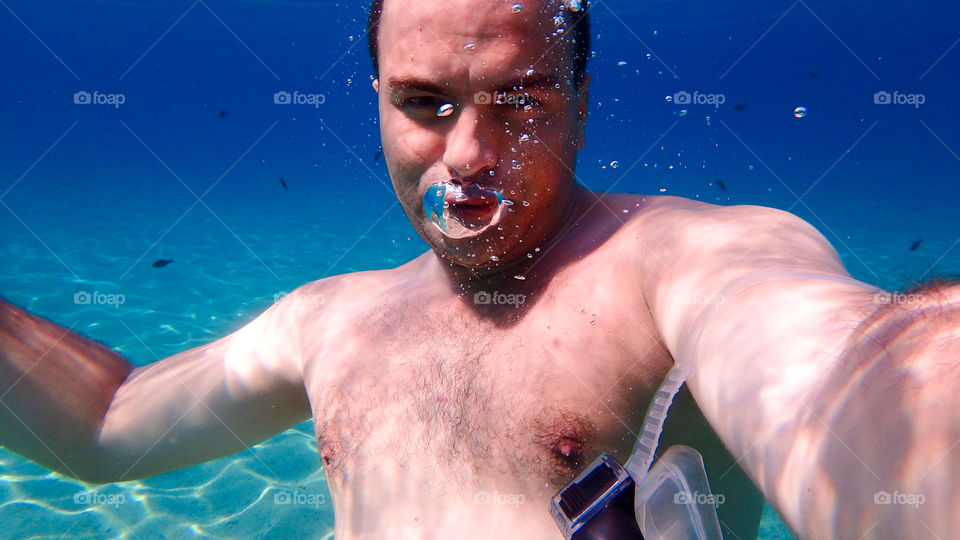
472,210
472,202
459,212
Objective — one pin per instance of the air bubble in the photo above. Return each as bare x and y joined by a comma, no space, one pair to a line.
524,137
682,113
516,8
470,46
668,99
614,164
445,110
516,164
800,112
526,203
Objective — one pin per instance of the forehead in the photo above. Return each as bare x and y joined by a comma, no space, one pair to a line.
475,36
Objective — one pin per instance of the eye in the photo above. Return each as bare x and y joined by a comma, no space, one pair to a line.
420,102
423,107
522,104
528,101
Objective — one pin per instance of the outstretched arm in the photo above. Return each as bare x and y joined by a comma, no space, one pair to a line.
839,400
848,423
78,408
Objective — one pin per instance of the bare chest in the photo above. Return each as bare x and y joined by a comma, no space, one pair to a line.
436,402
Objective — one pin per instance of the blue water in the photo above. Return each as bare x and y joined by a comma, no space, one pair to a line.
92,194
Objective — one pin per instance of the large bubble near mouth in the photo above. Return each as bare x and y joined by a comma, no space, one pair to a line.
438,211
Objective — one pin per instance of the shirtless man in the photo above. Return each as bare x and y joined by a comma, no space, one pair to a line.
532,336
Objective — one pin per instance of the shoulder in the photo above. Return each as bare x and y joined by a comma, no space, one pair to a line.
350,292
673,227
685,247
337,306
689,212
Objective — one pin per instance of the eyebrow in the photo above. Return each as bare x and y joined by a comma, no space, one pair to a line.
408,84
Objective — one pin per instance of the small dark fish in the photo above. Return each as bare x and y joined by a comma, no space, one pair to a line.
284,184
222,113
160,263
721,185
739,106
813,75
916,245
377,156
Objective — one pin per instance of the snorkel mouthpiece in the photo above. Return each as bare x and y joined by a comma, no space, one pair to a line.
437,207
434,207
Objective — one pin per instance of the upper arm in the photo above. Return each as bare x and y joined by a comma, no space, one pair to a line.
760,306
210,401
696,254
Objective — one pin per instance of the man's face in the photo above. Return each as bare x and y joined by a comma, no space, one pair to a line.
478,108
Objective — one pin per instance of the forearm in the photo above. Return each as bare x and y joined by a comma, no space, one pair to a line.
827,403
891,423
55,388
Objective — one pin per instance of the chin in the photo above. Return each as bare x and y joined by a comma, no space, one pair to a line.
480,260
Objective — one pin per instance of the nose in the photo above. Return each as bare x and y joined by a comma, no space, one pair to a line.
470,143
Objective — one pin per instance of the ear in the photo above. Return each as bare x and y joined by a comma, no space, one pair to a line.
376,85
583,100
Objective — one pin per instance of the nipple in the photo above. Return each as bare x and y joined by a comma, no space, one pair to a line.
568,447
463,212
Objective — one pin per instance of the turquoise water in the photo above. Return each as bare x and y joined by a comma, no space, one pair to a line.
92,195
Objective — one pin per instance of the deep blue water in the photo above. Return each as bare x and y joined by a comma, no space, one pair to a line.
92,194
